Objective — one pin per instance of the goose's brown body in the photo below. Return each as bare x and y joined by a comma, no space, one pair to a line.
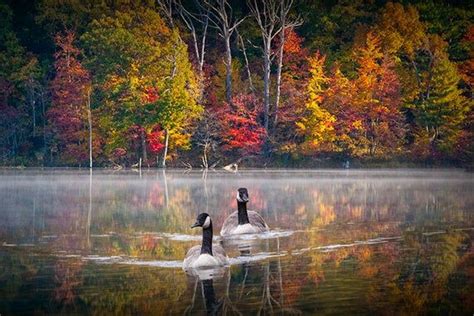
256,224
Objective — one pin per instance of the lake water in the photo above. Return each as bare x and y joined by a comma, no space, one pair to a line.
341,242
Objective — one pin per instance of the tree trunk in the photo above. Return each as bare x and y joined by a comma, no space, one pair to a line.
144,151
33,110
228,68
32,98
89,119
204,156
280,65
196,50
165,152
44,126
249,74
203,45
266,82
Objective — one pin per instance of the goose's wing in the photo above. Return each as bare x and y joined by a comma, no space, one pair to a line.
257,220
230,223
194,251
192,254
219,253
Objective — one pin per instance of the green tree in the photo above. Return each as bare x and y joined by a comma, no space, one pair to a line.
433,102
443,111
145,79
19,82
450,20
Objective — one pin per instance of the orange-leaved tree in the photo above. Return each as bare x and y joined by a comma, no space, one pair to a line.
295,76
377,100
70,92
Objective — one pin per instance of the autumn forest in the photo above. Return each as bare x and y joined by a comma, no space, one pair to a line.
278,83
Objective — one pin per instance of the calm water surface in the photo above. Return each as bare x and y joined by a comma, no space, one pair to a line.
342,242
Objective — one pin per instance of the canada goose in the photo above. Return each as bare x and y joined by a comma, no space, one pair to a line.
243,221
205,255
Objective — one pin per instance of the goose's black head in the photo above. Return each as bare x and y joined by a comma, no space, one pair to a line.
203,220
242,195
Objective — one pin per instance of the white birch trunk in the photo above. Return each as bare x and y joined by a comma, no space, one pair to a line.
165,152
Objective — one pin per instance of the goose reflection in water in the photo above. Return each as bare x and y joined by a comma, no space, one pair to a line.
212,304
205,278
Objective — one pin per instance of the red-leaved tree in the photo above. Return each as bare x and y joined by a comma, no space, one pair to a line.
241,130
68,112
155,139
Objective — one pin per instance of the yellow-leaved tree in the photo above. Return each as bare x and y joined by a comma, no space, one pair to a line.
317,125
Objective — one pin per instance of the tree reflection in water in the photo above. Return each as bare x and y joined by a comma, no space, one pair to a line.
103,244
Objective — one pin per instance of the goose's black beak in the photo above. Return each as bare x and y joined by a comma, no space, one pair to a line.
195,225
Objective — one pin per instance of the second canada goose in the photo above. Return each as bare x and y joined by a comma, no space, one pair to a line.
205,255
243,221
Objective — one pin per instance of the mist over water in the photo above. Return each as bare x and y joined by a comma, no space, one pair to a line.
349,241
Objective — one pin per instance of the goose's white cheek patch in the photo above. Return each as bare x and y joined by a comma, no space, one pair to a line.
207,222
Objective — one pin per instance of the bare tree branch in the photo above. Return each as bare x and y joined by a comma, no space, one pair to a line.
244,51
189,20
272,19
222,18
286,24
167,6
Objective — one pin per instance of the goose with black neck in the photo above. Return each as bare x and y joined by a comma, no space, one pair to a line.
206,254
243,221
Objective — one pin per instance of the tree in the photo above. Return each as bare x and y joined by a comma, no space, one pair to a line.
451,21
404,37
288,26
360,117
430,91
467,67
145,78
20,91
401,30
331,26
377,98
295,77
396,79
317,125
465,145
208,135
68,113
266,13
192,20
177,106
442,112
241,131
216,86
222,18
